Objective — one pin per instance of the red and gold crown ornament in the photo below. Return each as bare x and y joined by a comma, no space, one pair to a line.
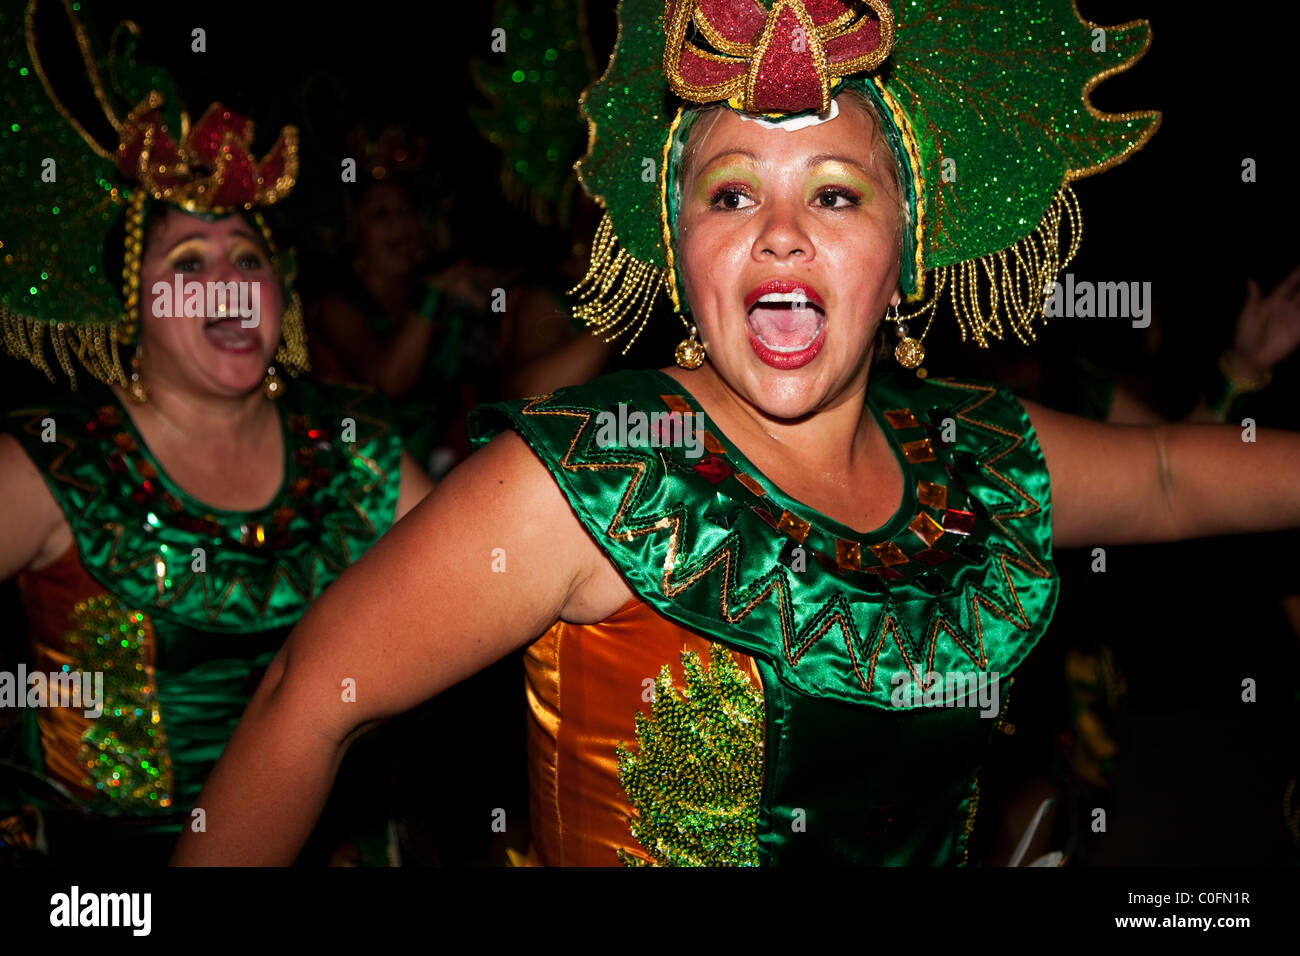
779,60
211,167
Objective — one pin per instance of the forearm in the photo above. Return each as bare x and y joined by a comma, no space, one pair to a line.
265,794
1218,483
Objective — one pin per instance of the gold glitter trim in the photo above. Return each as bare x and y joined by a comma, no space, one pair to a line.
92,74
715,37
194,193
1072,174
618,291
675,31
670,273
913,151
873,59
814,47
826,31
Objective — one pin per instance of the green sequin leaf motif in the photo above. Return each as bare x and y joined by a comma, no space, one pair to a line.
994,81
629,123
124,750
52,264
697,777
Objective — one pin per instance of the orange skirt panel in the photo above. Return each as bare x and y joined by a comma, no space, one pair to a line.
585,685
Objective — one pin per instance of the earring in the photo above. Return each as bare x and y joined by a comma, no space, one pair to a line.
909,352
690,352
272,385
135,389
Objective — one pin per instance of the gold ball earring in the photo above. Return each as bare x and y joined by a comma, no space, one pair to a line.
909,352
135,388
690,352
272,385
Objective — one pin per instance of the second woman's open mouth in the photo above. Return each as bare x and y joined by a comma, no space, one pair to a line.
229,334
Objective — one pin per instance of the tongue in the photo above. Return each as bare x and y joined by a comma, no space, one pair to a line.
230,334
785,327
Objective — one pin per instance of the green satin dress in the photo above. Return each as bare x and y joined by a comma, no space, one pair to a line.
179,606
876,652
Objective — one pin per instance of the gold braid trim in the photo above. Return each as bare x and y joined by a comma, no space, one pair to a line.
618,291
92,345
1017,280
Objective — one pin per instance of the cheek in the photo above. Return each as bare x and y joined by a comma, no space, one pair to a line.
270,311
711,259
166,333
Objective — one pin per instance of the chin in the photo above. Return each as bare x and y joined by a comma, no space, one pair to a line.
780,394
796,393
237,375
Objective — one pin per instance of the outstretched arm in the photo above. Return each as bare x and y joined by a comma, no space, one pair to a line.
1129,484
429,605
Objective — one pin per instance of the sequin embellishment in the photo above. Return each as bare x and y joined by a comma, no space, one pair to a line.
697,776
124,751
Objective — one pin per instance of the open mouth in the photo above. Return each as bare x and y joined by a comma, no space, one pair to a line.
226,331
786,323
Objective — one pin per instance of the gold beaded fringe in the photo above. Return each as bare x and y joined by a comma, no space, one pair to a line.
92,345
1018,278
618,291
292,353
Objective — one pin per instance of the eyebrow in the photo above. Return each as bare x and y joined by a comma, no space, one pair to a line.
243,233
812,160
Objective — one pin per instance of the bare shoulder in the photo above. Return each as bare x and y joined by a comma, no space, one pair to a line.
509,488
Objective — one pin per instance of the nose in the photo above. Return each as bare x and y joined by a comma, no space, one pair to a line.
225,271
782,235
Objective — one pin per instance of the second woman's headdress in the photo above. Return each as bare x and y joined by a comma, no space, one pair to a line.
64,191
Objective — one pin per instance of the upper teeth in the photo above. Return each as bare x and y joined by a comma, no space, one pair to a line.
798,297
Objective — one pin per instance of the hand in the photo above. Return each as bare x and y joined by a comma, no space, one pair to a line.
468,284
1268,329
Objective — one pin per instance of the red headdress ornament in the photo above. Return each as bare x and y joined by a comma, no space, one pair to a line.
782,60
211,168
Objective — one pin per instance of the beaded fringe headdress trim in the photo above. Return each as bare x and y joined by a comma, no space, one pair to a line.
617,294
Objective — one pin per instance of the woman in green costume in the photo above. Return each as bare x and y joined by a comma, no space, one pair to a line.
780,592
169,525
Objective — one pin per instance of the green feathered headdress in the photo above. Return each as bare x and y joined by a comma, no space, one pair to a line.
62,191
985,106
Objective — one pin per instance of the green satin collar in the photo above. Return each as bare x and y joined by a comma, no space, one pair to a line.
178,559
960,579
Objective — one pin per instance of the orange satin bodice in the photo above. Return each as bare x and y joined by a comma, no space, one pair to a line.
49,595
585,685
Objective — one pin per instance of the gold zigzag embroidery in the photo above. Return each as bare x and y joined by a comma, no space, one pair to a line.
834,614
